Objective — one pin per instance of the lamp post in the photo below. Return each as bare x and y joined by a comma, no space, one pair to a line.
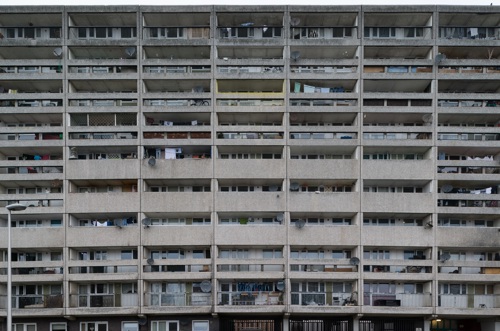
10,208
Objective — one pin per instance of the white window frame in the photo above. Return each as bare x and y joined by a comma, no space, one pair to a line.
23,325
205,325
136,324
86,326
52,324
155,325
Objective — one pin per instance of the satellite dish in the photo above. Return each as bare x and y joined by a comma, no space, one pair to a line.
150,261
130,51
146,222
445,257
206,286
294,21
280,285
280,218
300,223
447,188
118,223
354,261
198,89
57,52
142,321
440,58
427,118
429,225
152,161
294,186
295,55
273,188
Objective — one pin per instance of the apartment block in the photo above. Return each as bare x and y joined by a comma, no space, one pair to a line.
250,168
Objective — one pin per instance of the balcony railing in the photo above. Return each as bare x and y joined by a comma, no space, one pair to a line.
469,136
250,298
178,299
104,135
469,300
397,136
176,102
323,102
176,135
31,103
34,301
178,268
323,299
462,203
103,300
32,136
35,203
113,269
37,271
323,135
397,300
31,70
31,170
103,103
250,135
249,102
249,267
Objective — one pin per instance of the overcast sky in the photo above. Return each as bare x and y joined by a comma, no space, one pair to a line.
252,2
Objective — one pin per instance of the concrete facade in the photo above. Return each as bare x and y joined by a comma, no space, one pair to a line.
251,167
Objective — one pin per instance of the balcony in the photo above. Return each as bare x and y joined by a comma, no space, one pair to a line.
178,299
176,33
468,301
103,300
251,298
397,300
406,202
102,202
177,202
29,33
126,33
37,301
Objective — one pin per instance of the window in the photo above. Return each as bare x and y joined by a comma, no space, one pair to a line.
233,254
129,288
128,32
58,326
201,254
56,256
129,254
453,289
94,326
341,254
307,254
272,254
24,327
130,326
200,326
377,255
271,32
165,326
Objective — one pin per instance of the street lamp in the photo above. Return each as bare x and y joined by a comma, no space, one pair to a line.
10,208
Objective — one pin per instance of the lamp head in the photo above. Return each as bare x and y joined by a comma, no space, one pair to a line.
16,207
